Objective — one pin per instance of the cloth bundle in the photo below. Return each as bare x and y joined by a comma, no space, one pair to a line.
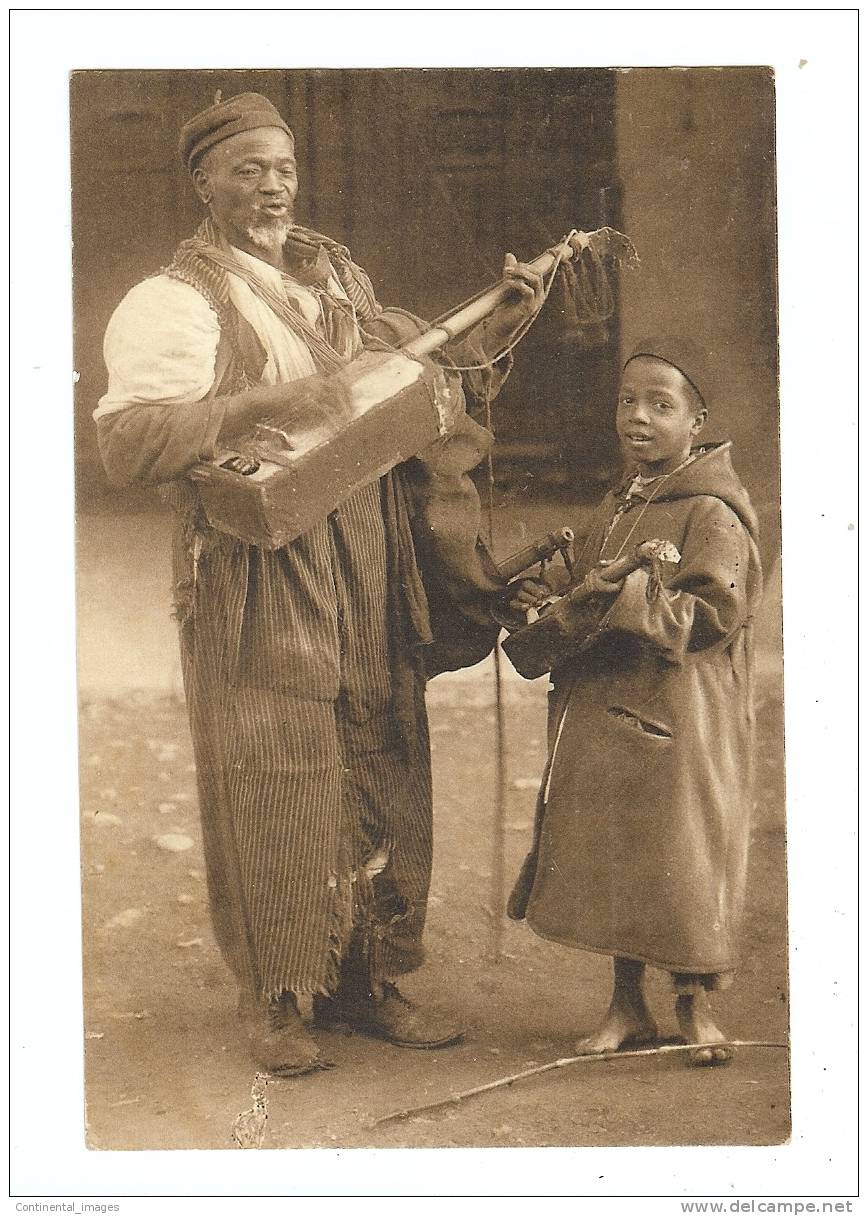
582,291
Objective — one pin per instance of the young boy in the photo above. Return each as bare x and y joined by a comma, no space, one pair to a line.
641,838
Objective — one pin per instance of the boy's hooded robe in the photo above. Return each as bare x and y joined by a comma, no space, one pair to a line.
643,820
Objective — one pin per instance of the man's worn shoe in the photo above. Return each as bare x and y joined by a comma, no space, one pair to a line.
276,1036
391,1017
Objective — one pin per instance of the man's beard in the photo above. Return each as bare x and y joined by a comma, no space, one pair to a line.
269,235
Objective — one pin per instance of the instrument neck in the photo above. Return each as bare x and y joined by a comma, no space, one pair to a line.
470,314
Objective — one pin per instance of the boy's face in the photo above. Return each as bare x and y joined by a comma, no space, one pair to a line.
659,413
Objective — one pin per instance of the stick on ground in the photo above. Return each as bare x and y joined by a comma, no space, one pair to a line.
564,1062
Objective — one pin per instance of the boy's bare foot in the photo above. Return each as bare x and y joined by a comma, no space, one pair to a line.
622,1027
629,1020
698,1026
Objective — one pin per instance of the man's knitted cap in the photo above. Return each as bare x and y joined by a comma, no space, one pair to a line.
684,354
244,112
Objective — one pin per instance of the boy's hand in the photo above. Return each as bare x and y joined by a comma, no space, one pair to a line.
527,593
598,584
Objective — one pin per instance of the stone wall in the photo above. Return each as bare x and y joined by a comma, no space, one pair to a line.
696,161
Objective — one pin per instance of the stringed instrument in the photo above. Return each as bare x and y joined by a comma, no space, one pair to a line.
350,427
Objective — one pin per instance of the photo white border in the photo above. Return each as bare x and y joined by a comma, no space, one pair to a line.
817,109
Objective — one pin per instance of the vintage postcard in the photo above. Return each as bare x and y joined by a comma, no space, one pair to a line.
257,814
429,608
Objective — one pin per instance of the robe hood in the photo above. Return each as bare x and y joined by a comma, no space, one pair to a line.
711,474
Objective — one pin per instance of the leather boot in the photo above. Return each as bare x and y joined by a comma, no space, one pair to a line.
276,1036
371,1005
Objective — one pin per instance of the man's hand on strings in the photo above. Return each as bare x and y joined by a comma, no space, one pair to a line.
523,303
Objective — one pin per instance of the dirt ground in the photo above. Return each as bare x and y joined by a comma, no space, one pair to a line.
165,1067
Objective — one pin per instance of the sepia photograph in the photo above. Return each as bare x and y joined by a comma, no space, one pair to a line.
376,368
433,452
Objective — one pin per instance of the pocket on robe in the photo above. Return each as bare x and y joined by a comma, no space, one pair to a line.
639,722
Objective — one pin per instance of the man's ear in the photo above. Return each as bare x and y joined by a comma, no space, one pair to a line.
202,185
699,420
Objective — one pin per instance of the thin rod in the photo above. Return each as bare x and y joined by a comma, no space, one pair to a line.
497,858
565,1062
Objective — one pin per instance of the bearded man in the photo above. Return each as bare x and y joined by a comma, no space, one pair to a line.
303,666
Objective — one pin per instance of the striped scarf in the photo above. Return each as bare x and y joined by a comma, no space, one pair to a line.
204,261
305,246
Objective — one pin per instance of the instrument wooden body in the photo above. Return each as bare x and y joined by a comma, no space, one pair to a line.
387,409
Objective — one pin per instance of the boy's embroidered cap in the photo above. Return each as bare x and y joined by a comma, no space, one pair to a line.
691,360
244,112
